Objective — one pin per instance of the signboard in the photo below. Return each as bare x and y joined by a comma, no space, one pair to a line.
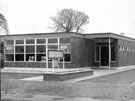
55,54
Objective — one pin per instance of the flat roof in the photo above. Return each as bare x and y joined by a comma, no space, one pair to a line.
109,34
69,34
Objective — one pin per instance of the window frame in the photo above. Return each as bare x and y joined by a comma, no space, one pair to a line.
69,44
13,45
35,44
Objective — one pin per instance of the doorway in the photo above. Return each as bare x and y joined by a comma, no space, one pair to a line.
104,56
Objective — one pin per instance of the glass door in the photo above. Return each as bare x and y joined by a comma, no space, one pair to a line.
104,56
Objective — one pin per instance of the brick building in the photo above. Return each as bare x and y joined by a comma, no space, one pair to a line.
97,50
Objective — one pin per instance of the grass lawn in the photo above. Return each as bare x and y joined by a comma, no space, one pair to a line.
11,86
126,77
18,75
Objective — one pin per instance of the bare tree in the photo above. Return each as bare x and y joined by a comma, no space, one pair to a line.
69,20
3,24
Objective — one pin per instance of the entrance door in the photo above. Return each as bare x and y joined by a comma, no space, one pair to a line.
104,56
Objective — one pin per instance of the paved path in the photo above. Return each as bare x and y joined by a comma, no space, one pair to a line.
97,73
103,72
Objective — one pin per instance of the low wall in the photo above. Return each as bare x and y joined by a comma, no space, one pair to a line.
67,75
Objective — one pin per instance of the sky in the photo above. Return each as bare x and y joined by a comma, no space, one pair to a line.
33,16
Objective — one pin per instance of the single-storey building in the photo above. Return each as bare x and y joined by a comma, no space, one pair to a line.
68,50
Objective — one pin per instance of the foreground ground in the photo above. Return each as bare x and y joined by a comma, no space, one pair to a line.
112,87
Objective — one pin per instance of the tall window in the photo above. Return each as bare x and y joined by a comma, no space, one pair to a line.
52,44
19,50
41,50
65,46
30,50
9,50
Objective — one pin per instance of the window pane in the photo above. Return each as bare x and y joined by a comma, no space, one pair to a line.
65,48
1,47
30,41
112,53
19,41
9,57
19,57
41,57
30,57
52,47
30,49
64,40
9,42
120,48
53,40
9,49
41,41
67,57
41,48
19,49
97,53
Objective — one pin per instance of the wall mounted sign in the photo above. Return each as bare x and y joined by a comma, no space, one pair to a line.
55,54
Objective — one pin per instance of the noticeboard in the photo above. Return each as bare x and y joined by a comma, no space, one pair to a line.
52,54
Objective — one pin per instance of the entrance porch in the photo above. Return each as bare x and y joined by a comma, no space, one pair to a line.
105,53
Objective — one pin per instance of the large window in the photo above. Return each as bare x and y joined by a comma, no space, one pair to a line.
41,52
33,50
19,53
67,52
30,53
52,45
9,50
30,50
19,50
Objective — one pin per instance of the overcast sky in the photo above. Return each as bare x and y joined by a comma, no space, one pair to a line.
33,16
